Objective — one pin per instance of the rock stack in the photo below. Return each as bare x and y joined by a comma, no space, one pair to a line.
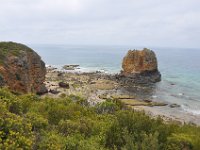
21,69
140,66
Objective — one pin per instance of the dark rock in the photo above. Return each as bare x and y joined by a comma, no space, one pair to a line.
147,101
93,82
142,78
63,85
174,105
1,80
54,91
70,67
60,74
42,90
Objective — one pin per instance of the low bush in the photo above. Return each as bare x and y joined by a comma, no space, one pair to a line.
31,122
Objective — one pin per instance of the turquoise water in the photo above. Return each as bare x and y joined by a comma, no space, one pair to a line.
180,68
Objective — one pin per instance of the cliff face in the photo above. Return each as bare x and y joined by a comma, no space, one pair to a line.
21,69
141,66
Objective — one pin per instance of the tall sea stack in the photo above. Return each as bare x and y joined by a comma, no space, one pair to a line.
140,66
21,69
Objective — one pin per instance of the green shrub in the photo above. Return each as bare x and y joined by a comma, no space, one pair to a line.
51,141
106,107
12,48
38,122
83,126
31,122
15,132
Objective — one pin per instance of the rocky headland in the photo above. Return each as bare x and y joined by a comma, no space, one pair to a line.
21,69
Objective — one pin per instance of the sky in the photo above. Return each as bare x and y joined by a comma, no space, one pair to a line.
163,23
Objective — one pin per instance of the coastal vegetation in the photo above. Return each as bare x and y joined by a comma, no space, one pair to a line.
11,48
69,122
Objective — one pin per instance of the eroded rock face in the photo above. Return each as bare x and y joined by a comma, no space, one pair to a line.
141,66
21,69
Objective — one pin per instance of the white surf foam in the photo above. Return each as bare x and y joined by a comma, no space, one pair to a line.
189,110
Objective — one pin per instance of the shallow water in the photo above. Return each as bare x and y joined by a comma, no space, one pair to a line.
180,68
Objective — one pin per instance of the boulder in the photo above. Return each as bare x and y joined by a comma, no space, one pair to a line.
140,66
63,85
21,69
54,91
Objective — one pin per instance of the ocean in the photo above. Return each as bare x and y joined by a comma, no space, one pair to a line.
180,68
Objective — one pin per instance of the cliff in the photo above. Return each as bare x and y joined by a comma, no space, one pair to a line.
21,69
141,66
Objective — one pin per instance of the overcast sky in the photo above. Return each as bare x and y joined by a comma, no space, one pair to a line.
171,23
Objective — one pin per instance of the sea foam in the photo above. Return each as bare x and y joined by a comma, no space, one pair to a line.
189,110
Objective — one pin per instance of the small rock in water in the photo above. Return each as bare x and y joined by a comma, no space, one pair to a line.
70,67
174,105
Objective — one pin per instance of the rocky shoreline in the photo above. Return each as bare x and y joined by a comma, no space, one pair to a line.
96,87
23,71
